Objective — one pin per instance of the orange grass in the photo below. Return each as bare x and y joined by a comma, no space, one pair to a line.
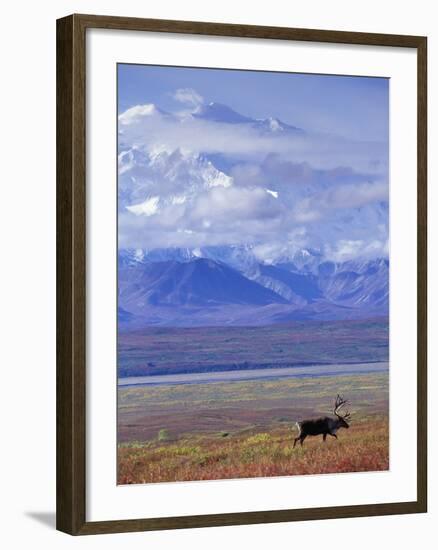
362,448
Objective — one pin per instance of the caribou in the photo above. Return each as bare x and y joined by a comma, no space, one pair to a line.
325,425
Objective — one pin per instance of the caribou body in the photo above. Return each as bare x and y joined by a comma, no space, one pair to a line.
325,425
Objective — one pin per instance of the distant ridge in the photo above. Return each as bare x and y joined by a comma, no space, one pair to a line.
193,291
200,282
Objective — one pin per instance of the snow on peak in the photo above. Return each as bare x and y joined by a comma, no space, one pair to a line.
178,199
147,208
275,125
218,112
133,114
139,255
197,252
156,150
216,178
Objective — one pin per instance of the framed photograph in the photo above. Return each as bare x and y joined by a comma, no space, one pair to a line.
241,274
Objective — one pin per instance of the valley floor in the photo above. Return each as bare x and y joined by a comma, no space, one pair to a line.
175,350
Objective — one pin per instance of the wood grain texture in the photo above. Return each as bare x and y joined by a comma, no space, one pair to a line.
71,271
247,31
71,230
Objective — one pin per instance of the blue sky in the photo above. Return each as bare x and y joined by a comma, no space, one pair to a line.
193,174
355,107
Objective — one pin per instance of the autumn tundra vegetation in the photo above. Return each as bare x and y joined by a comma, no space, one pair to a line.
243,429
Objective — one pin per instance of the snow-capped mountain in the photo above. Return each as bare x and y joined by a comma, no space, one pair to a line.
239,257
170,169
132,115
152,180
244,258
217,112
153,176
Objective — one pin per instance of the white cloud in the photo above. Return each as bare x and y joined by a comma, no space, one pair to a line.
227,205
188,96
324,204
345,250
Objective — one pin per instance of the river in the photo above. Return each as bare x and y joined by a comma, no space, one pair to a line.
255,374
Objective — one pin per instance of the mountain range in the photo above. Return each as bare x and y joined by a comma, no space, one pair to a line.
297,205
227,285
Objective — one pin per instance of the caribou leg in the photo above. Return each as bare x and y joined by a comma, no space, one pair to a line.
334,435
324,437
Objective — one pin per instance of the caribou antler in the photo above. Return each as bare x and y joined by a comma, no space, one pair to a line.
339,403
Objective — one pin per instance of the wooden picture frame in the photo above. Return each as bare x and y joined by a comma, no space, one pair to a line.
71,273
